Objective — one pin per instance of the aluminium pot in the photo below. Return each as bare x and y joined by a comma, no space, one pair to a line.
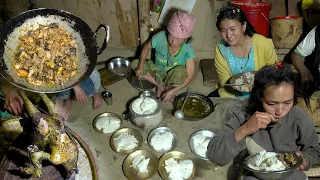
144,120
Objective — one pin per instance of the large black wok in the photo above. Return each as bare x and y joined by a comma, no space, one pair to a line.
86,41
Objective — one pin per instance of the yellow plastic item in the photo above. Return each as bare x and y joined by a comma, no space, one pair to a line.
306,4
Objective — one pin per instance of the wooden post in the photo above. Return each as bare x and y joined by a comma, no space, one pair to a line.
144,20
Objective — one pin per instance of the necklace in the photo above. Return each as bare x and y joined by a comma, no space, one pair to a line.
244,56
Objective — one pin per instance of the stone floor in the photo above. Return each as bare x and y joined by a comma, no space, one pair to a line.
110,163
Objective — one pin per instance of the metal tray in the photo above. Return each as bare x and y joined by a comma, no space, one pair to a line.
134,81
162,130
242,88
106,114
203,98
178,156
132,173
131,131
207,133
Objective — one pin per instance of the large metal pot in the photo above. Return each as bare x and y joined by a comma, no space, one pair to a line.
29,20
144,120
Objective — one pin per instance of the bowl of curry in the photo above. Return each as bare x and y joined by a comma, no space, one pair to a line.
197,106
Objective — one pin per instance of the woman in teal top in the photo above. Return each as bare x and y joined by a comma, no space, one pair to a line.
173,67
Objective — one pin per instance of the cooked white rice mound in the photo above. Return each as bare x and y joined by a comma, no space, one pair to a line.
140,163
125,142
200,144
108,124
178,171
144,105
267,161
162,141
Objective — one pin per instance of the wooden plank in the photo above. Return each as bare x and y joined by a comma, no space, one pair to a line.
127,17
144,19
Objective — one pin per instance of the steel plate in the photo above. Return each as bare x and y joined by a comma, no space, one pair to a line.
131,131
134,81
106,114
242,88
132,174
208,134
162,130
178,156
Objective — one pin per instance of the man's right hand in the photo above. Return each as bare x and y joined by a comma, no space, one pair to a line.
13,102
307,82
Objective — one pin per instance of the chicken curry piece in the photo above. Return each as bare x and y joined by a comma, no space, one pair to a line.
46,56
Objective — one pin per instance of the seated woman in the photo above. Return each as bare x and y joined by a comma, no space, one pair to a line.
241,50
271,122
173,68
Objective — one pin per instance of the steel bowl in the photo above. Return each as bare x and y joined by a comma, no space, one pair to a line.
275,175
119,66
208,134
178,156
132,173
162,130
147,93
103,115
131,131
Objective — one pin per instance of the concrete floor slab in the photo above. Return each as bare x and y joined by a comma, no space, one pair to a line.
110,163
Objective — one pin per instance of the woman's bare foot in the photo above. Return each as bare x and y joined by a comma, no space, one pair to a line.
160,89
97,100
67,107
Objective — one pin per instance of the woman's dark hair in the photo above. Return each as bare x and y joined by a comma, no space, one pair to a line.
272,75
232,12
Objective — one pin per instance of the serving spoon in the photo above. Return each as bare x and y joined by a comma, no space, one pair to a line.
179,113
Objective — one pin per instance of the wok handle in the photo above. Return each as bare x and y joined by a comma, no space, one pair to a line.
106,39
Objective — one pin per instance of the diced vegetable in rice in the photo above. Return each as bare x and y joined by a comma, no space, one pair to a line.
125,142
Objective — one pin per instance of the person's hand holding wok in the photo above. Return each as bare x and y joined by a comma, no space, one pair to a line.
13,101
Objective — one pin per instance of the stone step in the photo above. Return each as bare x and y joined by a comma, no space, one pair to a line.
210,76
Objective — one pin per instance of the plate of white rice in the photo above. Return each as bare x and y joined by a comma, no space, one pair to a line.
141,164
198,143
176,165
126,140
243,82
107,123
162,139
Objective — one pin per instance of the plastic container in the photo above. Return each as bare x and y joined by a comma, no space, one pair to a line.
286,31
257,14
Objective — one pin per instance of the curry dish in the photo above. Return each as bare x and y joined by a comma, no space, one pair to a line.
46,56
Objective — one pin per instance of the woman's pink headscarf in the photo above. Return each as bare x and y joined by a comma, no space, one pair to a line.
181,25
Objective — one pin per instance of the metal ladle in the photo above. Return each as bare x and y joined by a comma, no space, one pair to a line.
179,113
